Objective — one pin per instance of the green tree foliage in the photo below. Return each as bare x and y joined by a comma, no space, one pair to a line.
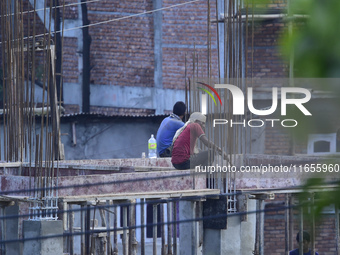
315,44
315,39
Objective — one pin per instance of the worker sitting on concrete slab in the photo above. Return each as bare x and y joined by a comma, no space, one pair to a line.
184,153
168,128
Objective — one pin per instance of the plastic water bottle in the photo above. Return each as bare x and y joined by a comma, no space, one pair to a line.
152,147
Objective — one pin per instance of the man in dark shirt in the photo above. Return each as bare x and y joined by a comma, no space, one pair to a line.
306,241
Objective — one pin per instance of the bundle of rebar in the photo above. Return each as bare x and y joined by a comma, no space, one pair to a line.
231,32
23,50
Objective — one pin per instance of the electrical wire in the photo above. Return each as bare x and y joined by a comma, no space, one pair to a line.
54,7
117,19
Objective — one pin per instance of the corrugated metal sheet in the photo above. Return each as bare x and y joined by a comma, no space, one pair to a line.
95,114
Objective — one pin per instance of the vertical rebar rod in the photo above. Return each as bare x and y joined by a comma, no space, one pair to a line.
115,234
287,221
193,230
257,228
170,226
125,236
3,43
142,215
312,224
132,228
71,222
154,229
108,226
301,230
162,211
225,27
218,40
261,241
83,228
186,86
337,234
175,227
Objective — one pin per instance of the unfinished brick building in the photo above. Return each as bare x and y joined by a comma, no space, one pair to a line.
123,58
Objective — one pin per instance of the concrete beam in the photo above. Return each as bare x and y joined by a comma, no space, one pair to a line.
127,97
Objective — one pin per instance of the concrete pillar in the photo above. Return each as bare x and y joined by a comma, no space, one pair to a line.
231,237
43,246
237,239
212,242
158,101
248,230
247,238
11,226
187,236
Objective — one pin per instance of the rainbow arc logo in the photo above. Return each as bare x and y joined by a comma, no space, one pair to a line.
209,93
204,98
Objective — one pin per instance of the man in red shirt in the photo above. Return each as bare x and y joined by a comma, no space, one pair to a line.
183,152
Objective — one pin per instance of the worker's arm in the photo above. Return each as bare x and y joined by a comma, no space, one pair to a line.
210,144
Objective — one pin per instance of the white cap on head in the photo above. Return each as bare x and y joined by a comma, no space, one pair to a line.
197,116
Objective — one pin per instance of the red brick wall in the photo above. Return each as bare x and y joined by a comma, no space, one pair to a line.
274,231
184,28
70,10
70,60
277,140
325,237
265,61
122,51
